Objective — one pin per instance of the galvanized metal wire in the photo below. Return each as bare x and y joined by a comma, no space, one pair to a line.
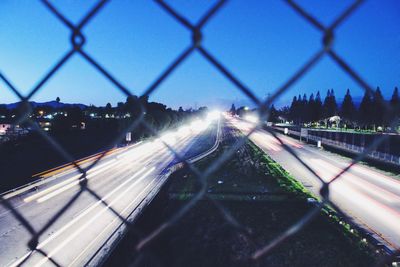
78,41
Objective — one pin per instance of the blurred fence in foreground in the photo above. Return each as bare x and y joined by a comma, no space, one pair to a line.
78,41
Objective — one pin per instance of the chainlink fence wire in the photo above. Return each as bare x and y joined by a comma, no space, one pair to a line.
78,41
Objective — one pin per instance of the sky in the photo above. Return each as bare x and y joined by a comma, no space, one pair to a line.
263,43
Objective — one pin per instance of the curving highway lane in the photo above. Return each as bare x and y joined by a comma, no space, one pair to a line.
123,182
369,197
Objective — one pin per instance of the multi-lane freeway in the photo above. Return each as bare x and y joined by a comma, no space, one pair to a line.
123,182
369,197
126,179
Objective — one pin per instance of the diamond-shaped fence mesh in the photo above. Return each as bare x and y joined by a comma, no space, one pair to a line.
78,40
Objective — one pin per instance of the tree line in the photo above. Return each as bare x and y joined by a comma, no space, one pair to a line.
373,110
105,119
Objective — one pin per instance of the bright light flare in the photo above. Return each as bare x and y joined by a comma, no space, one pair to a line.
213,115
184,130
168,138
252,118
199,125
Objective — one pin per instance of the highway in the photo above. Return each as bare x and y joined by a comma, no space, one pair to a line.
369,197
124,180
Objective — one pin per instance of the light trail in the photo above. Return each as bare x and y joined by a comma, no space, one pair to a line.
367,196
92,219
76,219
122,181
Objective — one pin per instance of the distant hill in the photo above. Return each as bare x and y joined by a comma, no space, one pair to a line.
53,104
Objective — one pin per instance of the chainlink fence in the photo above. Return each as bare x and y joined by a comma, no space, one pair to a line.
78,40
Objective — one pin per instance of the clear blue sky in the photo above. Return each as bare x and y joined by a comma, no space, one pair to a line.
262,42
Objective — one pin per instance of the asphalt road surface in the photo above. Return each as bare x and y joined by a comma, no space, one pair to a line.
122,181
370,198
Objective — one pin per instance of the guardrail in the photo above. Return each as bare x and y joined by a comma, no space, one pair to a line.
366,233
344,146
376,155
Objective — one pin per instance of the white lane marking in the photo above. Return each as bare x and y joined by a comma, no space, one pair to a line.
65,188
359,182
41,182
360,204
74,177
266,142
285,140
47,180
62,189
91,220
108,226
73,180
65,227
19,261
383,178
9,211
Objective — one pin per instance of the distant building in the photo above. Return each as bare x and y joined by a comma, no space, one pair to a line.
9,131
4,127
45,125
12,129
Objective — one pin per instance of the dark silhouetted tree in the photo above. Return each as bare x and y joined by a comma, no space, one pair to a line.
4,112
132,106
317,111
310,108
284,113
303,109
348,111
294,110
378,108
273,114
233,109
58,99
330,106
395,106
365,111
108,109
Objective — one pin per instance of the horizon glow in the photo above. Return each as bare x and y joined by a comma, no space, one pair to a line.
262,44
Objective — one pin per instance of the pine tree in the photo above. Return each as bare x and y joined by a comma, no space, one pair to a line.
293,114
317,110
395,100
348,110
310,108
395,106
330,106
233,109
378,108
273,114
303,109
364,111
326,103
